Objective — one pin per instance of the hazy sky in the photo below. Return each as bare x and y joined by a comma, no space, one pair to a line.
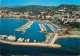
38,2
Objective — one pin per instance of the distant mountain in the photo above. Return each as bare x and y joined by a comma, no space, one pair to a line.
34,8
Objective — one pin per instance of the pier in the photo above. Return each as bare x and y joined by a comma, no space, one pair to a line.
24,27
30,44
51,38
35,44
42,27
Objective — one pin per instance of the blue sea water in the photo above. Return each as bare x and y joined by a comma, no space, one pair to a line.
8,26
70,46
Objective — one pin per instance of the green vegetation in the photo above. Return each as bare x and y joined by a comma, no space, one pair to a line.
74,24
69,7
33,8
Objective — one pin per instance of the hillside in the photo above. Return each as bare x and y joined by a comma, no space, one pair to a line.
34,8
69,7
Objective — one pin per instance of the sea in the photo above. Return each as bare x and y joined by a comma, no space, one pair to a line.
70,46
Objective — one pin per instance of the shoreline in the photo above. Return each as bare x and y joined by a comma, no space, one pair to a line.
26,19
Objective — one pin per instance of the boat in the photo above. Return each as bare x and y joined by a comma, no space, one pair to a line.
20,39
11,38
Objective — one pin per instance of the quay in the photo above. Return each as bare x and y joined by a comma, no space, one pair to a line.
49,42
30,44
51,38
27,43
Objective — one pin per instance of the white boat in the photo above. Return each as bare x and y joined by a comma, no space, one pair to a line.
20,39
11,38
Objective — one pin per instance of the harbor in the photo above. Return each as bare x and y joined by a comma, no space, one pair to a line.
32,38
49,42
21,41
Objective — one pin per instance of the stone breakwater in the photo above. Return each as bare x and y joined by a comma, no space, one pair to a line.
31,44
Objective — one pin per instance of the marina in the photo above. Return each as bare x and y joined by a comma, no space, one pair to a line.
32,38
50,39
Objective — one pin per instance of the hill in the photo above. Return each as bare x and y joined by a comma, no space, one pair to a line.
34,8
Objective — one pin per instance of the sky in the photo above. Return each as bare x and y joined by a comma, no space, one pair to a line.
38,2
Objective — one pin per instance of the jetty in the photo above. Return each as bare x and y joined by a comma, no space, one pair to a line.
24,27
30,44
27,43
51,38
42,27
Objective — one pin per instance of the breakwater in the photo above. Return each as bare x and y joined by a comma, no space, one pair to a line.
37,44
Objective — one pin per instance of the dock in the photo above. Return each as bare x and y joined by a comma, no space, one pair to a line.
42,27
51,27
51,38
30,44
24,27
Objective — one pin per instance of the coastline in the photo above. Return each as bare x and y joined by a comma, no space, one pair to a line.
26,19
